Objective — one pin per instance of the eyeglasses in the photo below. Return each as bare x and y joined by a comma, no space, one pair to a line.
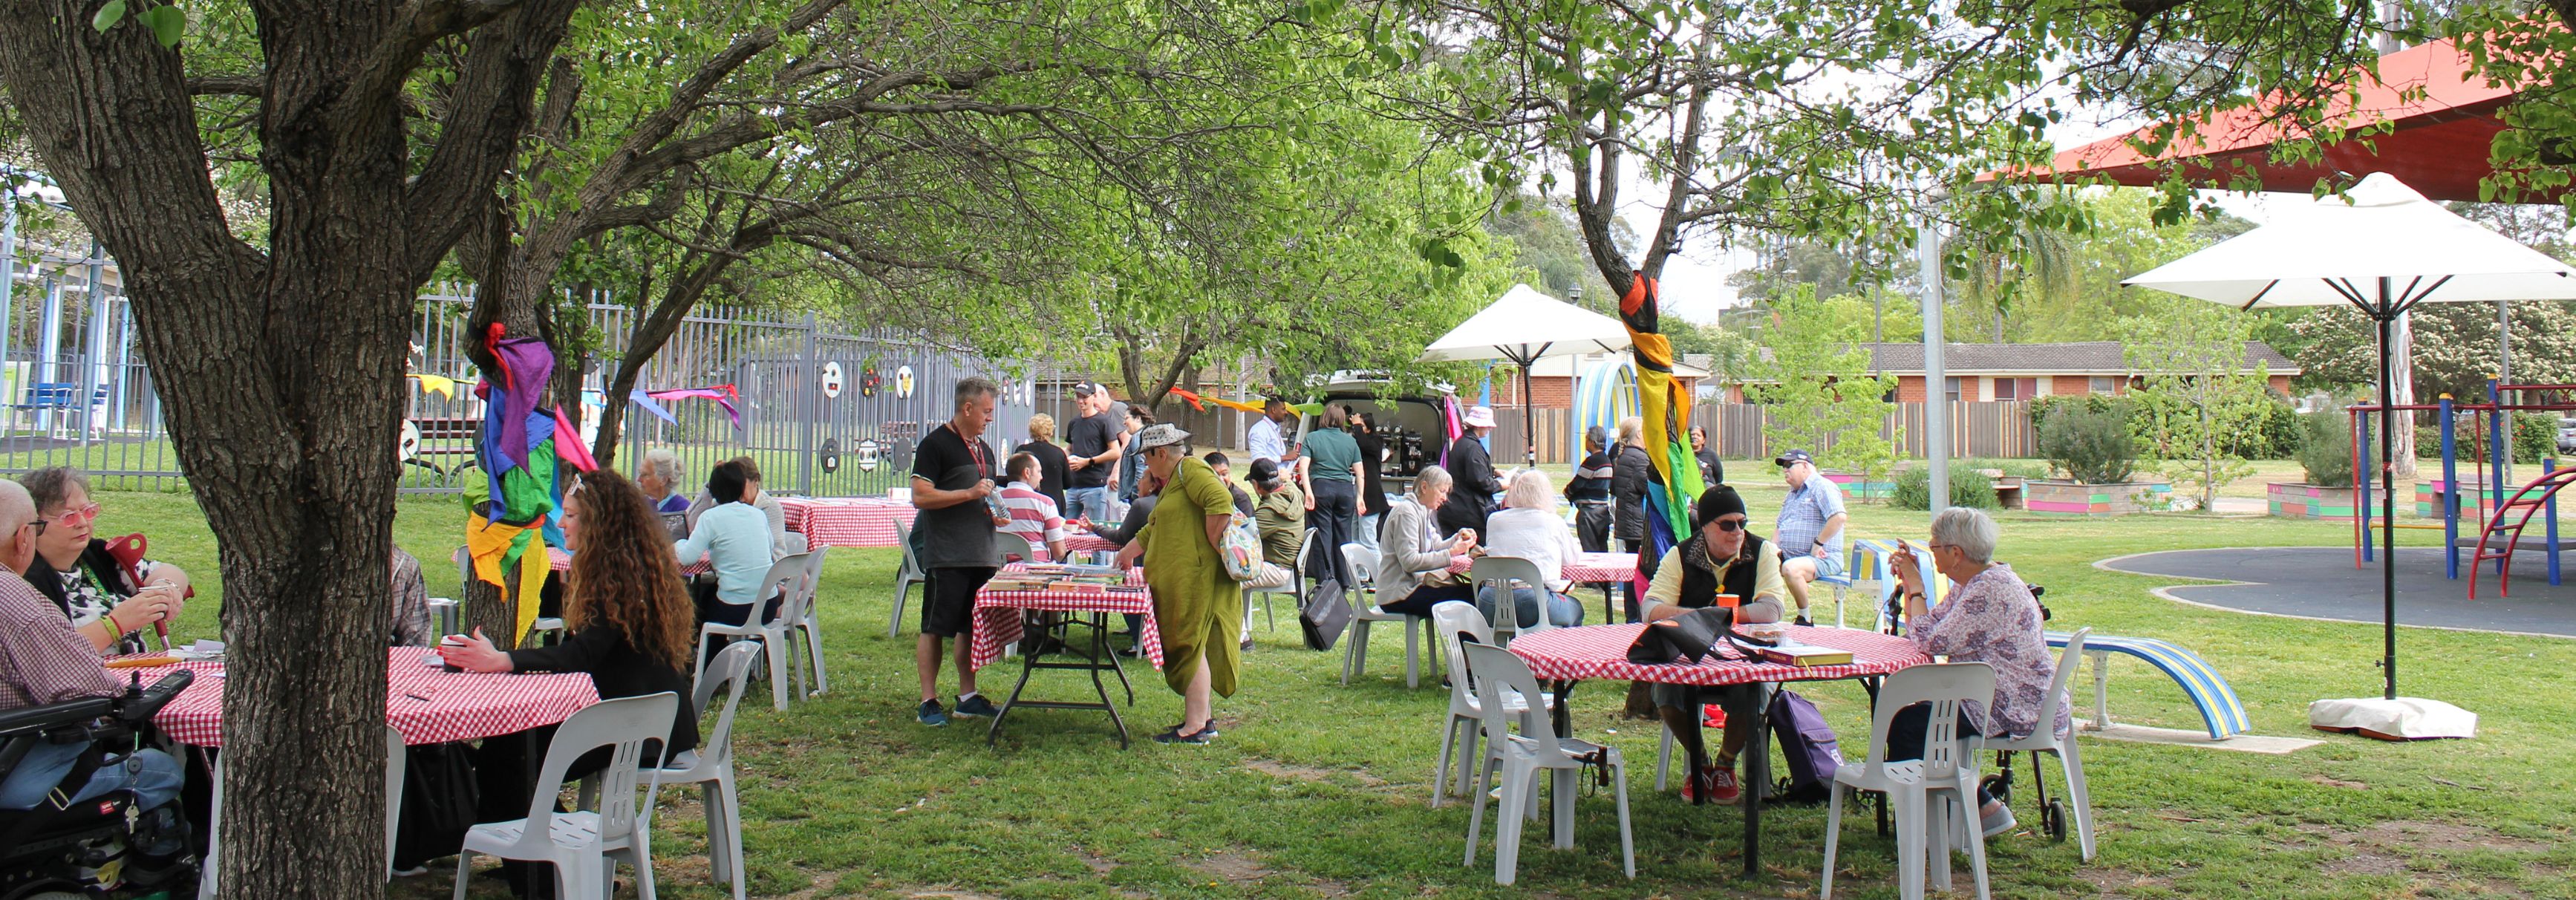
75,518
39,525
1729,525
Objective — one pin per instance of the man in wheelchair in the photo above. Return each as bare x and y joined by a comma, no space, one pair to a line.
85,807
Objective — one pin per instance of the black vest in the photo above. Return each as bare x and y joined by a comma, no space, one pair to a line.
1700,584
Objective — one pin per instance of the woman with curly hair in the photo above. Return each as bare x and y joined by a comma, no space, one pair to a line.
631,622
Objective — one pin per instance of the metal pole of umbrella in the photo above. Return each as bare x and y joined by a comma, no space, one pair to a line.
2387,316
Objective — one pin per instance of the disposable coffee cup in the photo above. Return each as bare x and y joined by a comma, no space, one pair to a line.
1728,601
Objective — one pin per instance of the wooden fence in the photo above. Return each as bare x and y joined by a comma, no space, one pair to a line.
1983,429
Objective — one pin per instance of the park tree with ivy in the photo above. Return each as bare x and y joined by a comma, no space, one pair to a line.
2197,396
1818,392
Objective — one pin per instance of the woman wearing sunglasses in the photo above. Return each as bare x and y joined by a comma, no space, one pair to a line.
1722,556
106,603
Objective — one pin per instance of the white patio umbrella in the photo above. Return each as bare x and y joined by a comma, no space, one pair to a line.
2381,248
1523,326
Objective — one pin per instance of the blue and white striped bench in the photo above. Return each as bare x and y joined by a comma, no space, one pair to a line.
2208,690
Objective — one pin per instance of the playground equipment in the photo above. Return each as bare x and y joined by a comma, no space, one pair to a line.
1606,393
2493,512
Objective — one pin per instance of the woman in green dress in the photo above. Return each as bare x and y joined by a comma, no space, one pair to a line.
1197,607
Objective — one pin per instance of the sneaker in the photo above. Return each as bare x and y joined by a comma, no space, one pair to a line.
1209,731
1711,716
1247,645
976,707
930,714
1999,821
1802,622
1723,789
1175,736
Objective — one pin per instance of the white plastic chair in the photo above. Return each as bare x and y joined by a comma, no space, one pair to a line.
397,758
711,766
1355,656
584,846
786,579
812,623
2045,740
465,576
1501,572
1521,756
909,574
1921,794
1295,588
1466,714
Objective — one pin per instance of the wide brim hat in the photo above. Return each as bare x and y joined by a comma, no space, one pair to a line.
1479,417
1161,435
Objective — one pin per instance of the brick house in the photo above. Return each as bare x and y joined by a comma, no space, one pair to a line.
1991,372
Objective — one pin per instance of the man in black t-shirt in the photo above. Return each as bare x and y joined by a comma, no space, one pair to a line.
1092,448
952,485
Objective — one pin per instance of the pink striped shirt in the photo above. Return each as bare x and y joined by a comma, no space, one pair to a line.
1033,517
42,660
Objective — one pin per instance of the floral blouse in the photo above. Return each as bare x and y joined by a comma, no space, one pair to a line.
1993,619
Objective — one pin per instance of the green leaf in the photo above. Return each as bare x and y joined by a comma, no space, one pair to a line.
108,15
168,24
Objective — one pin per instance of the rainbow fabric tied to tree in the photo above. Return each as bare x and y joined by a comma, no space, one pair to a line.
517,510
1666,408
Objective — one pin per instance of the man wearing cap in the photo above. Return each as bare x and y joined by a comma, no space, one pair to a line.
1810,528
1722,555
1092,448
1264,440
1471,474
1589,491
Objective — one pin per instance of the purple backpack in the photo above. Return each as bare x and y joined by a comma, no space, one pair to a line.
1810,747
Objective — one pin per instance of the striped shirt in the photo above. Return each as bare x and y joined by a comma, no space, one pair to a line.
42,660
1034,518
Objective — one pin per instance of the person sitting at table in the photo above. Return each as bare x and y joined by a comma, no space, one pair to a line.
659,477
1197,607
107,604
1991,618
630,631
1529,527
1721,556
735,539
411,603
1412,560
1033,517
1279,516
782,543
43,660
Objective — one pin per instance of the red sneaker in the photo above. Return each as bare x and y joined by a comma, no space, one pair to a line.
1710,716
1723,789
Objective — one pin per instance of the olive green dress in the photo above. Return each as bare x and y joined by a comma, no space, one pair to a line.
1196,606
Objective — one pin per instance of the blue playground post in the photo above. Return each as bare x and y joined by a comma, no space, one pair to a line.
2497,460
2450,494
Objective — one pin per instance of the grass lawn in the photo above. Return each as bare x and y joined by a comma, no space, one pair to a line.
1320,790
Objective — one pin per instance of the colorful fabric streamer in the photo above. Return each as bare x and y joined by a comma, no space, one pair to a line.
435,384
568,446
640,398
1199,401
722,394
1666,409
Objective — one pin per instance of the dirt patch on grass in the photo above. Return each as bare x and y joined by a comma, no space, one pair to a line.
2331,781
944,894
1098,864
2365,863
2113,881
2412,836
1277,769
1236,866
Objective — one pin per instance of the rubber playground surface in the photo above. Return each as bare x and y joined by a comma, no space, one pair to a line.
2322,583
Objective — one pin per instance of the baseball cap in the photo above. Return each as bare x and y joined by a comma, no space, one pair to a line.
1087,388
1792,458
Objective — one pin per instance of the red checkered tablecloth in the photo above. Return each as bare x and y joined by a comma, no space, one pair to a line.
846,521
1584,568
1601,651
560,561
997,614
461,706
1087,543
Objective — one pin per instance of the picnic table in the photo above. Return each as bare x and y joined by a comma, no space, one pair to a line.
426,703
999,623
1087,542
561,562
846,521
1567,656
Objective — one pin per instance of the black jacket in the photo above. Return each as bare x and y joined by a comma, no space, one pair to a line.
1053,473
616,670
1628,484
1372,472
1472,487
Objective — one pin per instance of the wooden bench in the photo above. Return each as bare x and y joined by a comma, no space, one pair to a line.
2208,690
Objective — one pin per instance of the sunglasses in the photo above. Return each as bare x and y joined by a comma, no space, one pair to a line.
1729,525
75,518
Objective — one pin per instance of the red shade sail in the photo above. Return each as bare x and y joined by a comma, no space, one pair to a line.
2439,145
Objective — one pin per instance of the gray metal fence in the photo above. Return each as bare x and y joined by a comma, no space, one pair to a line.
73,384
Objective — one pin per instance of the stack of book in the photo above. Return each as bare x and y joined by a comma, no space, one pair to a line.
1804,656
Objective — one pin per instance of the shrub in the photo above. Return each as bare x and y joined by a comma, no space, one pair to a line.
2091,443
2276,433
2535,437
1967,488
2325,448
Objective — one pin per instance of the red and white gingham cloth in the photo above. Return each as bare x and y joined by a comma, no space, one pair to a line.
1584,568
846,521
560,561
997,614
1087,543
1601,651
462,706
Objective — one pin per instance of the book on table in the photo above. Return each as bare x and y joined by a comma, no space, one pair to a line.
1805,656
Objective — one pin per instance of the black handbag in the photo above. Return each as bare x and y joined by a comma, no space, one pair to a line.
1683,638
440,793
1325,614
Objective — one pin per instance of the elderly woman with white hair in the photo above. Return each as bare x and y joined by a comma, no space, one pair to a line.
1412,558
1991,618
1529,527
659,477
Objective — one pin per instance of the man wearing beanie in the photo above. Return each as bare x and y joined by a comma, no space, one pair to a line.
1719,556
